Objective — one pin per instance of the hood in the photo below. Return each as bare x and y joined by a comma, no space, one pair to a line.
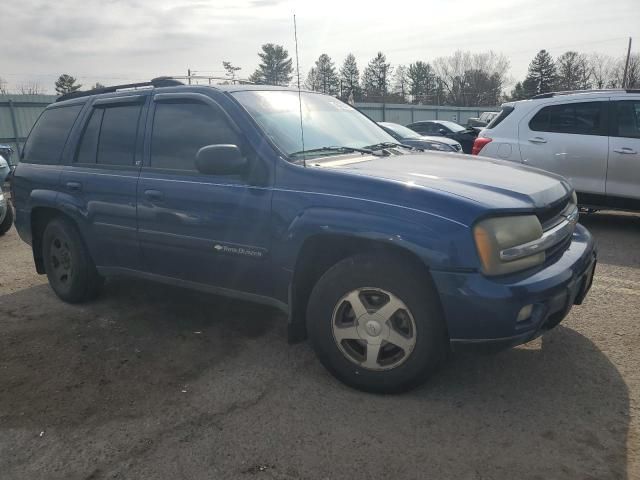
492,183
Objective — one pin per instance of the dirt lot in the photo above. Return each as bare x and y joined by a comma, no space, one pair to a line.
155,382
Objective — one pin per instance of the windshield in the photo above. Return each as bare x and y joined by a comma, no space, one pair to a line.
327,122
454,127
402,132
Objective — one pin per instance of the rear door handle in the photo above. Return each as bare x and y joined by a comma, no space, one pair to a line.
153,194
74,186
537,140
625,150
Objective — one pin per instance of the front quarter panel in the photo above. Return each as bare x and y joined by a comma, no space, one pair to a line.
302,211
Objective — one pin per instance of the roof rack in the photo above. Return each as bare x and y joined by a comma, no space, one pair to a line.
596,90
241,81
156,82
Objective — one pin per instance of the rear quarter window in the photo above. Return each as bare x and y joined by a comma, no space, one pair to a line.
49,135
504,113
583,118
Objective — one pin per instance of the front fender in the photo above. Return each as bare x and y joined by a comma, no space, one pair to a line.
438,241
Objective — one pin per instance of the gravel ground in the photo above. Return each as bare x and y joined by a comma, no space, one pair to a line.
155,382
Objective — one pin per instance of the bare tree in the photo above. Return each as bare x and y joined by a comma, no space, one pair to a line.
471,79
31,88
3,87
602,69
573,71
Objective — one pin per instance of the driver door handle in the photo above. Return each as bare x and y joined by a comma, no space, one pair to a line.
153,194
74,186
537,140
625,150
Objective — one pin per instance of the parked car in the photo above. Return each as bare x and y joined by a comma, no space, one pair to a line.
464,136
408,137
384,257
592,138
483,120
6,209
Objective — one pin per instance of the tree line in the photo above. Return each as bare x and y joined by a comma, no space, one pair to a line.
461,79
576,71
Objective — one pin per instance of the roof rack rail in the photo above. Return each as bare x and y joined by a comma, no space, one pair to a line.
595,90
241,81
156,82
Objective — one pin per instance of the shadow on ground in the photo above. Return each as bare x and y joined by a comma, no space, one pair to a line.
157,382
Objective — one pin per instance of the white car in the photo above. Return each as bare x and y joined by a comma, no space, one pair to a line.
590,137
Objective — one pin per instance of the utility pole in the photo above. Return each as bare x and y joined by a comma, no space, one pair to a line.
189,75
626,65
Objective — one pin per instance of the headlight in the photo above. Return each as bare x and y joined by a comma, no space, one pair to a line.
495,234
439,146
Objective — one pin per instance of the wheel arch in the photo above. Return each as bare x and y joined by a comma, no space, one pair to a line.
320,252
39,219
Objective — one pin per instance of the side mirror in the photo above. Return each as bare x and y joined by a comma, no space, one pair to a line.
442,131
221,160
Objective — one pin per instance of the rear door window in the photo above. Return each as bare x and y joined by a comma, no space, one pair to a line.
585,118
627,119
118,133
88,147
49,135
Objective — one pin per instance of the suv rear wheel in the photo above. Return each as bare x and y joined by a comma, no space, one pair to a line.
70,270
7,221
375,323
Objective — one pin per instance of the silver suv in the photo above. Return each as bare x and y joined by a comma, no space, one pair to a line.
590,137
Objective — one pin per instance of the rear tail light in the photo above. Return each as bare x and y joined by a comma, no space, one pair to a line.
479,144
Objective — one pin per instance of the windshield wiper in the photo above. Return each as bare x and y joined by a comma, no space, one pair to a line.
383,145
334,149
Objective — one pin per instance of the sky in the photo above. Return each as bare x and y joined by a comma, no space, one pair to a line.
120,41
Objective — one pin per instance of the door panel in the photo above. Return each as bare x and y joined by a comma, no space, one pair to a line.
211,229
623,178
101,182
569,139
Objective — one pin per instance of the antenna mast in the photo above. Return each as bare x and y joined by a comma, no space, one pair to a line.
295,34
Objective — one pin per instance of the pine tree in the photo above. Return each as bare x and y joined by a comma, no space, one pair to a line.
376,77
350,78
311,83
230,70
422,82
66,84
401,82
325,76
518,92
541,77
275,67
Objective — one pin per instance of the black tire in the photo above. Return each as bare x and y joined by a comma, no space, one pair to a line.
8,219
70,270
402,279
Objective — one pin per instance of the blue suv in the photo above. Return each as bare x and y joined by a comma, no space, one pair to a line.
382,256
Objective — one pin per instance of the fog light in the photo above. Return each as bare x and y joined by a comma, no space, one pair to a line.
524,314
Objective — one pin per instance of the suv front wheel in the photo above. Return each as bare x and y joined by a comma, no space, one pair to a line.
375,323
70,270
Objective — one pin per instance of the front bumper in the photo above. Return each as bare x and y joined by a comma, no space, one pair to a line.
482,311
